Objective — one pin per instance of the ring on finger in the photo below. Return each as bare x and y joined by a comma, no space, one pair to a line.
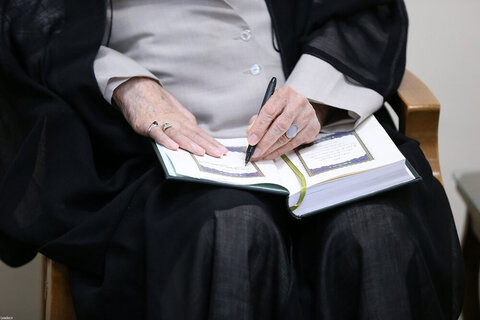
292,131
166,125
151,126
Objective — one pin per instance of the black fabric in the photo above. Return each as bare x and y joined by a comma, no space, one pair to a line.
366,40
67,156
240,254
77,184
369,260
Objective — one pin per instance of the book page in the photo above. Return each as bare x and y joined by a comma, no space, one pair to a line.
230,165
333,156
333,152
228,169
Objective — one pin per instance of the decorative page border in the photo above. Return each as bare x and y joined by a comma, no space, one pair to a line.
243,150
314,171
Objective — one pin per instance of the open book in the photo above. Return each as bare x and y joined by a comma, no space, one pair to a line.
334,169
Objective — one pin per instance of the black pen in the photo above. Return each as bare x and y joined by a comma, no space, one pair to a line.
268,94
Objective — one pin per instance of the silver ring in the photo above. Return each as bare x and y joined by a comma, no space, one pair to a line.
165,126
292,131
153,125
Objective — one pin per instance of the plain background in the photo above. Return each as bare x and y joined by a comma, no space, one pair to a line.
443,51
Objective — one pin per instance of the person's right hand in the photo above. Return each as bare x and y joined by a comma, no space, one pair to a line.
143,100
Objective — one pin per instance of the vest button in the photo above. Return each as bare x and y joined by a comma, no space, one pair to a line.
246,35
255,69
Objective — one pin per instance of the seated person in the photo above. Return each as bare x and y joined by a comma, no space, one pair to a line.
85,187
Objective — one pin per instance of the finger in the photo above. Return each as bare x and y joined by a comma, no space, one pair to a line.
160,137
306,120
183,141
283,140
220,147
312,126
209,145
307,135
290,145
276,132
269,112
298,111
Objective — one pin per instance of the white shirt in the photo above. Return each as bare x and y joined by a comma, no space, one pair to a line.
216,57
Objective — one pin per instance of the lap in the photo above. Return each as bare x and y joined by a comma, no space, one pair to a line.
167,218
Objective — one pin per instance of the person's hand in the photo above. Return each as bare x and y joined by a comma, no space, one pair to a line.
143,100
284,108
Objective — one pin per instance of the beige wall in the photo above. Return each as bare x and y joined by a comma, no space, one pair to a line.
443,51
21,291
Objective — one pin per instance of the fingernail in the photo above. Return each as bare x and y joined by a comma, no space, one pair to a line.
248,128
252,139
257,153
173,146
223,150
218,153
199,151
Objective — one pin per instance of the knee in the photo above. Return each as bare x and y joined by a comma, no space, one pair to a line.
250,223
372,230
249,230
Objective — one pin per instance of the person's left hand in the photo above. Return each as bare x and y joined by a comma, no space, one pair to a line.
284,108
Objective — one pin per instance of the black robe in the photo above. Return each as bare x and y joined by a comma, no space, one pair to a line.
73,173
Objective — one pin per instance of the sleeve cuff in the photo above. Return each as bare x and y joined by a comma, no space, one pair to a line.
320,82
112,68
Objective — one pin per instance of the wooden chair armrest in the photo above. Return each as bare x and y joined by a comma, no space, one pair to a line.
419,110
58,298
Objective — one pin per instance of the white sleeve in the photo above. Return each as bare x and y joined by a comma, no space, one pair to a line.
320,82
112,68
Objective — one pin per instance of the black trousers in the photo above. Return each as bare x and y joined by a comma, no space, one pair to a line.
231,254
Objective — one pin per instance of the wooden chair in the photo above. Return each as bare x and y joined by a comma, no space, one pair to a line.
418,111
58,299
